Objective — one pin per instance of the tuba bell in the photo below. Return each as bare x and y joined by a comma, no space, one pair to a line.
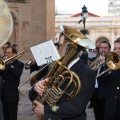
61,78
6,23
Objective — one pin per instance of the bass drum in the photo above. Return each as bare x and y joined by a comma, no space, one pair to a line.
6,23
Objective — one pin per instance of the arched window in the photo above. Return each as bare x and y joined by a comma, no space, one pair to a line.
99,40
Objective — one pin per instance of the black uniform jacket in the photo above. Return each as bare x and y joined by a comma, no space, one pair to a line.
113,91
1,108
11,79
102,83
75,108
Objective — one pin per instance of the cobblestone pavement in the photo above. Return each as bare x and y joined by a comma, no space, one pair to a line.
25,108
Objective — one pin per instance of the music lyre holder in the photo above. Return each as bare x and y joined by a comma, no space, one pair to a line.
49,61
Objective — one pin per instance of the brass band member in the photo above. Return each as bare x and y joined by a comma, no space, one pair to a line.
5,46
98,98
112,111
11,79
70,110
1,107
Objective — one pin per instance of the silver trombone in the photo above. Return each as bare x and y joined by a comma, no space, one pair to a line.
112,60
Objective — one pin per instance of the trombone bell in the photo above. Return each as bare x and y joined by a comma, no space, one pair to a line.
112,60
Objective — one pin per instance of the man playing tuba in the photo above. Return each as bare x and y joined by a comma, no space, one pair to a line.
70,110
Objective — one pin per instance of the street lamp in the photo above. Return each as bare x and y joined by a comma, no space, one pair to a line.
84,15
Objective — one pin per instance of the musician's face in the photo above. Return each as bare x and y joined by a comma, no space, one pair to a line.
5,47
9,53
104,49
117,48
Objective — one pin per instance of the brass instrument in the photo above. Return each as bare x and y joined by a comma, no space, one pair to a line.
95,64
31,79
28,64
8,60
6,23
61,77
112,60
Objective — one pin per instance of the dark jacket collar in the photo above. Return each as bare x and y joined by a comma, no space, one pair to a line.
77,65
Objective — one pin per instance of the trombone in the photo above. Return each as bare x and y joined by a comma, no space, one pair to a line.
112,60
7,60
33,77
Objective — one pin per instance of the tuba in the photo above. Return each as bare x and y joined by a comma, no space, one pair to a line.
6,23
61,78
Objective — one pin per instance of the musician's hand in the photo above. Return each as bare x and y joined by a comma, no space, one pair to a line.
40,86
102,59
33,61
39,109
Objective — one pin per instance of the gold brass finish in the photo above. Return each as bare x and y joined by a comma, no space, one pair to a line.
6,23
95,64
112,60
61,77
8,60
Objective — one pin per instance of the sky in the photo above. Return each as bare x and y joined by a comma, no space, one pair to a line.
98,7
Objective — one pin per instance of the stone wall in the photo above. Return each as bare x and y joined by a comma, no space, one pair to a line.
34,22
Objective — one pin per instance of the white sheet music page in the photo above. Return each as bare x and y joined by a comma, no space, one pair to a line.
43,51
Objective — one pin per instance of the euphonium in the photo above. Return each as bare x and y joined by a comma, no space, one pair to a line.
8,60
61,77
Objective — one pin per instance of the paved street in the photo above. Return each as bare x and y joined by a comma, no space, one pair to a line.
25,108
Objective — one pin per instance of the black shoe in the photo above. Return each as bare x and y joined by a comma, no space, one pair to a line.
90,106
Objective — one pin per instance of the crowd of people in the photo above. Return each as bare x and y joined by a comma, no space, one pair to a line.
103,92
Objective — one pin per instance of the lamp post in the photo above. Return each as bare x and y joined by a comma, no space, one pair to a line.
84,15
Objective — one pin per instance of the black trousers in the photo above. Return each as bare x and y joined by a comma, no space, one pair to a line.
10,110
98,106
117,114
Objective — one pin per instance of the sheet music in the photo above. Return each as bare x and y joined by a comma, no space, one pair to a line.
43,51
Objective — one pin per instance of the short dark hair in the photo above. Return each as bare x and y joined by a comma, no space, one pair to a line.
8,43
105,42
117,40
14,45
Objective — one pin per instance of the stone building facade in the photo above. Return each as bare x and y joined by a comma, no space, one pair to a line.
34,22
100,28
